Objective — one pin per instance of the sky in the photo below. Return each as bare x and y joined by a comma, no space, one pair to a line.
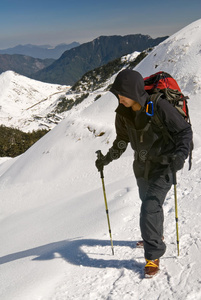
64,21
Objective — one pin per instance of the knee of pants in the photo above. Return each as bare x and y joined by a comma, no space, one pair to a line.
150,206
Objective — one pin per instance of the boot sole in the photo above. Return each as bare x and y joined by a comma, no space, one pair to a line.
147,276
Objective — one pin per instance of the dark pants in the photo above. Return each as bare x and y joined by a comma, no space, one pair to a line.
152,193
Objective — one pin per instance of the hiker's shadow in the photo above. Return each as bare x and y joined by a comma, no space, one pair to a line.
72,251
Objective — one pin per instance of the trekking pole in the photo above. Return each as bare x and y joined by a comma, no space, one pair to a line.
106,206
176,212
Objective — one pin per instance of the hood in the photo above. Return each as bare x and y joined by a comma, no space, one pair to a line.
130,84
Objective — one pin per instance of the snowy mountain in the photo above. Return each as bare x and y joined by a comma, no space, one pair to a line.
53,229
93,54
28,104
25,103
179,55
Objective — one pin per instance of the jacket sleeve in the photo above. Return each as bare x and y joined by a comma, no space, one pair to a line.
179,129
121,142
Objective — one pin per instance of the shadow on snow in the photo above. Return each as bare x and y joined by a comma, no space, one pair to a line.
72,252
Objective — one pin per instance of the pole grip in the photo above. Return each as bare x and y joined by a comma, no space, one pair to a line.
99,155
173,169
174,177
98,152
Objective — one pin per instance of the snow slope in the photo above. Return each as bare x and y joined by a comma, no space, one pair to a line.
53,229
24,102
179,55
29,105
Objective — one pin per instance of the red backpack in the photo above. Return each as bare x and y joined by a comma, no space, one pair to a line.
163,85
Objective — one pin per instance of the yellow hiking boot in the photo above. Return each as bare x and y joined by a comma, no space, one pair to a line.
151,268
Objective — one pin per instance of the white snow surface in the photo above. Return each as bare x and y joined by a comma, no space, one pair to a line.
54,236
24,102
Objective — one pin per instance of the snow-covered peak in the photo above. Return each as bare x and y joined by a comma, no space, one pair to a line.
22,99
179,55
130,57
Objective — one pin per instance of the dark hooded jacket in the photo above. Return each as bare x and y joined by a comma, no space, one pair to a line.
145,137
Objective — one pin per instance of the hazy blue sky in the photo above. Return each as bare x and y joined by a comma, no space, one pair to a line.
57,21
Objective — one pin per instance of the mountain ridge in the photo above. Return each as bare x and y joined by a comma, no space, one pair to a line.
31,105
74,63
40,51
22,64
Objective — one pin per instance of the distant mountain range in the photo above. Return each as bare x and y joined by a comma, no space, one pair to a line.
29,105
42,52
24,65
75,62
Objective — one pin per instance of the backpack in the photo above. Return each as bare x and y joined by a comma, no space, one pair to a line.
162,84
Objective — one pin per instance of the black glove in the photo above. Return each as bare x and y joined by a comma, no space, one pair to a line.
177,162
102,161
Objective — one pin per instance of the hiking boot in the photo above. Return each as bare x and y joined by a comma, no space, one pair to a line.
140,244
151,268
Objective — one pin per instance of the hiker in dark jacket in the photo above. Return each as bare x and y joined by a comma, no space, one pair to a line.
152,156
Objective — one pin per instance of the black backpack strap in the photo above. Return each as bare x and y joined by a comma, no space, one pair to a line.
190,155
166,135
157,119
